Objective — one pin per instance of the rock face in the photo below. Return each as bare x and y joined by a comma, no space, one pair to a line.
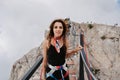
103,50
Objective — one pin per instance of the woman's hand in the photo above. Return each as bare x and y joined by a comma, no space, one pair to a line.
71,52
43,77
42,74
78,48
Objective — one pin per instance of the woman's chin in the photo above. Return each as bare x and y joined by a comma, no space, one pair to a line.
57,36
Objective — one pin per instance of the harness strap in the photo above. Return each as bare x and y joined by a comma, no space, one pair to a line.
62,74
66,74
53,77
58,67
54,68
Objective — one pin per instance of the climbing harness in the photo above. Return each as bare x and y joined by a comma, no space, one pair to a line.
54,68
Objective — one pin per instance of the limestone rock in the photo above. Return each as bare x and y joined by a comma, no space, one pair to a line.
103,50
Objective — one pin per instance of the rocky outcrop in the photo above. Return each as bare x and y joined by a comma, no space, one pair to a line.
103,50
22,65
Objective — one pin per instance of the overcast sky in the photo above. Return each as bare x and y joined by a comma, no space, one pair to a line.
23,23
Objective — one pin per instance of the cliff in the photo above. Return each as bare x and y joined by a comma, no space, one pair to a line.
103,50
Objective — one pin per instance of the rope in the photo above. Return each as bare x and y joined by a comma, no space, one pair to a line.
86,65
86,57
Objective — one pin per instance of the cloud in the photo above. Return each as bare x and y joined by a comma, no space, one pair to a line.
118,4
23,22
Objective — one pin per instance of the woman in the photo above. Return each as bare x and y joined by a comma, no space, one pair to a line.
55,50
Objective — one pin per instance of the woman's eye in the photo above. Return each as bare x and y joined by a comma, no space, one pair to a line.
55,27
60,27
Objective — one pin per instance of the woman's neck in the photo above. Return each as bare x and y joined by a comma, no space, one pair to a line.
57,38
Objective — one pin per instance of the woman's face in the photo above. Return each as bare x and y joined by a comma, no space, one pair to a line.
57,29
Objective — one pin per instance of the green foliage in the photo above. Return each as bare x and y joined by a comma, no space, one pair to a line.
103,37
95,71
90,26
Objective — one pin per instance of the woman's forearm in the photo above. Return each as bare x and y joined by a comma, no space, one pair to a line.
70,53
43,71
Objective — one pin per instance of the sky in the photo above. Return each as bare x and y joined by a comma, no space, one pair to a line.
23,23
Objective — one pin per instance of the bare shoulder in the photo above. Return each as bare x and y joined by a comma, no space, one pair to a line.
45,43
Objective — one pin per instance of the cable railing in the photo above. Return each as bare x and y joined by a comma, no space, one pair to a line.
84,62
31,71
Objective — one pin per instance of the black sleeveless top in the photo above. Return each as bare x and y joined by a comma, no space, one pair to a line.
54,58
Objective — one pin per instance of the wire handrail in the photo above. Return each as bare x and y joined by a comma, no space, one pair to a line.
31,71
85,62
87,65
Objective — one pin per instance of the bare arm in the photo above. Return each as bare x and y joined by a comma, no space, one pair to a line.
44,62
71,52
